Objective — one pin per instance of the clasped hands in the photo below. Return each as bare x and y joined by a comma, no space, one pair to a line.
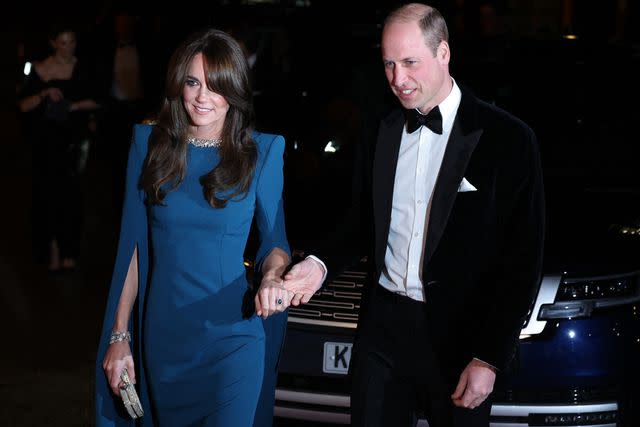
276,294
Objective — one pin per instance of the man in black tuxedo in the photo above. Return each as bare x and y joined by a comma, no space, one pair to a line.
458,225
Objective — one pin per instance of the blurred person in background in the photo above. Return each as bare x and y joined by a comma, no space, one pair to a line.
120,60
57,99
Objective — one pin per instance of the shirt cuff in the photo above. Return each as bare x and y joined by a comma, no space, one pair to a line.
488,364
319,261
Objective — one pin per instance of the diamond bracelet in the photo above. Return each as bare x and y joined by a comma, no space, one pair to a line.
120,336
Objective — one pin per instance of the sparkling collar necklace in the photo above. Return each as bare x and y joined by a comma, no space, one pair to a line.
199,142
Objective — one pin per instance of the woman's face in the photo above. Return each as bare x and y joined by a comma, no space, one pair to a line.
64,45
207,109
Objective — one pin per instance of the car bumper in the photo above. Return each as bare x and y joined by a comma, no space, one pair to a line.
334,408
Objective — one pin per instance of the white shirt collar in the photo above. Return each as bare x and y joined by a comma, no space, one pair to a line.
449,106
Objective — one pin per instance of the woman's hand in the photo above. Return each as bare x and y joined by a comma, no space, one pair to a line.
53,93
272,297
118,357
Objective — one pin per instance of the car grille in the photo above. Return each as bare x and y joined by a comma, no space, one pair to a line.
337,304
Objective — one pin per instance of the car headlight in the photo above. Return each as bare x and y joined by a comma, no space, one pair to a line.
579,297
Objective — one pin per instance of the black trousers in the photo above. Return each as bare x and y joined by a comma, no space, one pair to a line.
397,377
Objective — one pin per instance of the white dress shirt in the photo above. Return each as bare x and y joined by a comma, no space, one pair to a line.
418,166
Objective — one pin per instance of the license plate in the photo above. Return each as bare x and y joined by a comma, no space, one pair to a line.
337,356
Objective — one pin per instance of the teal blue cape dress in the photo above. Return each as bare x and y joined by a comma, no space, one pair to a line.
199,348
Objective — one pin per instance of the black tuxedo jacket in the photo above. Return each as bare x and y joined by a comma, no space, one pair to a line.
483,254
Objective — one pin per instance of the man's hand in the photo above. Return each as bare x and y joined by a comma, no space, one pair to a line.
475,384
303,280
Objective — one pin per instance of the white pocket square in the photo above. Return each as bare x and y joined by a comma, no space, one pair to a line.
466,186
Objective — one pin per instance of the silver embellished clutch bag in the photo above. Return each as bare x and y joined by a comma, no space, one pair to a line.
130,397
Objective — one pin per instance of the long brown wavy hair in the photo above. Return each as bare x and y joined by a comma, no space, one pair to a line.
226,72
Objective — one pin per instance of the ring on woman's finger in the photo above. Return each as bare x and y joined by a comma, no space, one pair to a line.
279,301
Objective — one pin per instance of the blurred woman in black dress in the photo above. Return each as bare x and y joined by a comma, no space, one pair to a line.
57,104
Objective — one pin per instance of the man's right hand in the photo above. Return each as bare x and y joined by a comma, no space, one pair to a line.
303,280
475,384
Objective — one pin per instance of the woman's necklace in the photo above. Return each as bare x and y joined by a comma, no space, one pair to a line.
199,142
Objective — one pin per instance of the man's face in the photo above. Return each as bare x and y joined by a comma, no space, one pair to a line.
417,77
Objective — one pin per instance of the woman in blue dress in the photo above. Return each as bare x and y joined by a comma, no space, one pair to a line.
195,182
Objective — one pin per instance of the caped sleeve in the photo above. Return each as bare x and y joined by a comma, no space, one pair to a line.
269,205
133,232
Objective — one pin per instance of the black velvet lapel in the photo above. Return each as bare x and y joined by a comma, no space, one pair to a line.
462,141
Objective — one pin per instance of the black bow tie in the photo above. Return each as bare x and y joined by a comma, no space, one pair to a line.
432,120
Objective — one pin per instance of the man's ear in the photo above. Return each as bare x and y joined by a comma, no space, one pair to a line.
443,54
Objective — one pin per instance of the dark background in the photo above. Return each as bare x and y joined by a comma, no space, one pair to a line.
51,321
